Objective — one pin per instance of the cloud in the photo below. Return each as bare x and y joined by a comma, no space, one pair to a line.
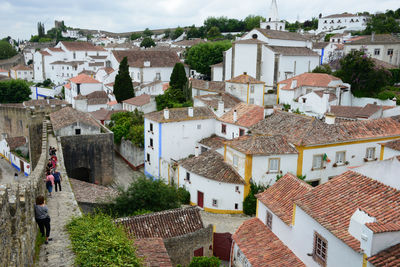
18,18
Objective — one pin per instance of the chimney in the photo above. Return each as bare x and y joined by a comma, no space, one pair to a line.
146,63
190,111
166,114
373,37
196,151
221,107
235,116
329,118
294,84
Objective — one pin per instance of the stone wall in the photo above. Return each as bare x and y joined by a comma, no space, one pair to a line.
180,249
12,62
17,224
131,154
89,155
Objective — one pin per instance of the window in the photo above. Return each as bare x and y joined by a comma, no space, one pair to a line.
138,76
148,158
235,160
215,202
252,89
236,188
320,249
67,68
74,55
236,206
317,162
340,157
187,176
77,131
151,127
314,183
223,128
273,165
370,155
377,51
390,52
62,67
203,149
78,88
241,132
151,142
158,76
268,220
251,101
198,126
52,67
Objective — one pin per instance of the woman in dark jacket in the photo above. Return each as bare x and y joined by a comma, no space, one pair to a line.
42,217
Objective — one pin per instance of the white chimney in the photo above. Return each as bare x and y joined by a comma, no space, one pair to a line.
166,114
190,111
373,37
146,63
294,84
196,151
329,118
325,101
221,107
235,116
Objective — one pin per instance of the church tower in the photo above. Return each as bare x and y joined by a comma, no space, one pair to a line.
273,22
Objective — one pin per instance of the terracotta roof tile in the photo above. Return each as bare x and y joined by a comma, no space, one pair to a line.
67,116
320,45
343,15
156,58
14,142
211,100
55,49
190,42
3,70
163,224
293,51
44,102
378,39
244,78
389,257
208,85
91,193
81,46
247,115
213,142
67,86
282,35
279,198
83,78
308,79
153,251
383,64
21,67
262,247
44,53
249,41
108,70
211,165
332,204
320,93
103,114
181,114
138,100
94,98
395,144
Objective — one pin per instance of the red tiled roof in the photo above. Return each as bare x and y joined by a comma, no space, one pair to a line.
138,100
44,53
83,78
137,58
244,78
340,15
212,86
395,144
103,114
181,114
108,70
212,100
213,142
14,142
82,46
92,193
262,247
67,86
21,67
153,251
3,70
389,257
55,49
320,93
308,79
247,115
279,198
332,204
67,116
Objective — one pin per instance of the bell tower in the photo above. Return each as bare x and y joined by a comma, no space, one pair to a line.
273,22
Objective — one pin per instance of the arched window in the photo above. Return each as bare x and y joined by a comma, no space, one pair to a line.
268,27
255,36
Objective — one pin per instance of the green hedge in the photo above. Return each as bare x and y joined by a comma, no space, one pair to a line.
97,241
205,262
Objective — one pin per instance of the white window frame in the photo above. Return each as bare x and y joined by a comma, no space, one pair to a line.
271,167
251,100
316,159
377,51
251,88
340,157
214,202
370,153
235,160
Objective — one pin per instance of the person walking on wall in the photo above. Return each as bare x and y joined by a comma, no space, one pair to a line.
42,218
57,179
16,176
49,182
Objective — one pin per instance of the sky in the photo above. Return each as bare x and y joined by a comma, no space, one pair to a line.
19,18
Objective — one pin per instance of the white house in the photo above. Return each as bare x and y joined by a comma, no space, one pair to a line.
81,85
217,72
22,72
214,184
91,102
68,121
144,103
4,72
342,22
390,149
153,88
8,148
218,103
202,87
385,47
106,75
247,89
171,135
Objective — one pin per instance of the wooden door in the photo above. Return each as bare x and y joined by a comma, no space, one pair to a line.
200,199
21,164
199,252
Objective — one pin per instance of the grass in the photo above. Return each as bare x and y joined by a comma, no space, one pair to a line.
38,243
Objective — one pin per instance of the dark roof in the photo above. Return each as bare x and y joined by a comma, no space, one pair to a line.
211,100
94,98
383,64
340,15
292,51
181,114
103,114
355,112
91,193
244,78
163,224
320,45
96,64
70,63
98,57
304,130
262,247
279,198
395,144
82,46
153,252
208,85
247,115
136,58
44,102
67,116
262,145
333,203
213,142
389,257
138,100
378,39
211,165
14,142
272,34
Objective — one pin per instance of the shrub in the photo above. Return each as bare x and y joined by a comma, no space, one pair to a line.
205,262
386,95
183,195
97,241
250,202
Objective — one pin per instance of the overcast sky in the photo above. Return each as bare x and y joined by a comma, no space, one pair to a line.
18,18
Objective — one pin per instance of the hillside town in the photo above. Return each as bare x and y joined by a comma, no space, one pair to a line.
239,143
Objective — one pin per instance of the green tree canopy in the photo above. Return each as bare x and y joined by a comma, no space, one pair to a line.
201,56
135,36
252,22
213,33
178,77
123,88
205,262
14,91
167,33
178,32
147,33
325,68
6,50
193,32
383,23
127,124
147,42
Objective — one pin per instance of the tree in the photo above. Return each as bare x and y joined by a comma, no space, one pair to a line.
201,56
123,88
359,70
213,33
193,32
178,77
135,36
250,202
147,42
167,33
129,125
383,23
178,32
14,91
147,33
252,22
41,32
6,50
325,68
205,262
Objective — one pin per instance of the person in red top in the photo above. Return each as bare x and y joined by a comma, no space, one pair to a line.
49,182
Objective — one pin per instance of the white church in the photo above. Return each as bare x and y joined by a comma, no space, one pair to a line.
269,54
